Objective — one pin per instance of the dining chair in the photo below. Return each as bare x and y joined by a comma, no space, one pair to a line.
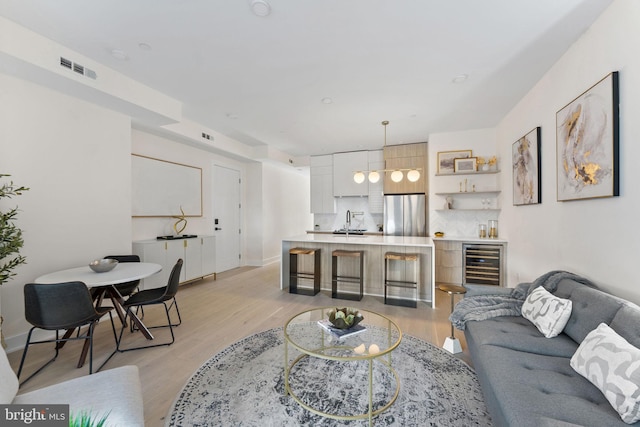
156,296
126,289
61,306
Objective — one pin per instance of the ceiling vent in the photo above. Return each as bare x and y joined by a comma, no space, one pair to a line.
80,69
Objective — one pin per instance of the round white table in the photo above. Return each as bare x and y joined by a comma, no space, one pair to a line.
122,273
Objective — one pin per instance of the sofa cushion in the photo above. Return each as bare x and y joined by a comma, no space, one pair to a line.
547,312
590,308
116,392
525,388
626,322
613,366
8,380
517,333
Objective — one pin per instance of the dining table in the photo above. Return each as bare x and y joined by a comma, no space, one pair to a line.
102,284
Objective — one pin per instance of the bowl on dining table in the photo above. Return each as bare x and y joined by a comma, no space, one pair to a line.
103,265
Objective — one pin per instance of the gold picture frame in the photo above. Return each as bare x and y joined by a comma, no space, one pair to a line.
465,165
446,160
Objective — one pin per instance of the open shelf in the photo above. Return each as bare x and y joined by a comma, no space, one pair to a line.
489,172
469,193
468,210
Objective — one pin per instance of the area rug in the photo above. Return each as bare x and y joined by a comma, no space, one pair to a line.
243,385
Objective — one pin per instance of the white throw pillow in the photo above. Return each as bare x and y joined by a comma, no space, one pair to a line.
549,313
613,365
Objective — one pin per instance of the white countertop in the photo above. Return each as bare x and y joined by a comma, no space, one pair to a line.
363,240
469,239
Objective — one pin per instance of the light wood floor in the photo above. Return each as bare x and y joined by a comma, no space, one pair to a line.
215,314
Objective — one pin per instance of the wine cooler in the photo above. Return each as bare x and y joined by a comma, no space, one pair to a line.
483,264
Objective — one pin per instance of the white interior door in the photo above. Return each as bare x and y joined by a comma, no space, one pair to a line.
226,214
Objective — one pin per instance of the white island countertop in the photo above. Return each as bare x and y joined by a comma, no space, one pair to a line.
363,240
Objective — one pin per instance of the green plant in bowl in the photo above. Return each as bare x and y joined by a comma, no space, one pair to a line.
345,318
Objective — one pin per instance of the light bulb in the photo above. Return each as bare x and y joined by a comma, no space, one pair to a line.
396,176
374,177
358,177
413,175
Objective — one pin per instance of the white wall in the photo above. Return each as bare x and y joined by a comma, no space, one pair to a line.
75,157
285,204
599,238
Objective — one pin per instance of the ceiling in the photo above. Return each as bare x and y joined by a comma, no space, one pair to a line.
263,79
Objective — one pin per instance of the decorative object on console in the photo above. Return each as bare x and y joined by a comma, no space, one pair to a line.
493,229
587,143
180,220
527,181
446,160
464,165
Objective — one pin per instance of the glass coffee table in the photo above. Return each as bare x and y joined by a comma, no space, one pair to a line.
335,359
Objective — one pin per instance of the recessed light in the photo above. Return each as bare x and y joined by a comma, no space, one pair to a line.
232,116
260,8
120,55
327,100
144,46
461,78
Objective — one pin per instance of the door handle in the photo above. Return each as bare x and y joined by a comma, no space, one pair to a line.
217,228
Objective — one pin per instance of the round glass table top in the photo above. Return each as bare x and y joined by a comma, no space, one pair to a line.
374,336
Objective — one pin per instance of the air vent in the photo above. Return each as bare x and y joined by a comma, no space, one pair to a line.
80,69
66,63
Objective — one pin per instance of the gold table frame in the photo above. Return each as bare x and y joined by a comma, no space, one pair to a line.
308,319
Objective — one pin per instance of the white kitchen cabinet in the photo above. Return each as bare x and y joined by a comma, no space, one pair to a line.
197,253
321,174
344,166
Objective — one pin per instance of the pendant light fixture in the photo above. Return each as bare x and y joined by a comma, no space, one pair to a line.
413,175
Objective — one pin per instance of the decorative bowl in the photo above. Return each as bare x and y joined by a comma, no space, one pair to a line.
438,234
103,265
345,318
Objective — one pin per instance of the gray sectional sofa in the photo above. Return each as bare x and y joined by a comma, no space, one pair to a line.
526,378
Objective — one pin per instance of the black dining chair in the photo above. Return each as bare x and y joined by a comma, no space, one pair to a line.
156,296
126,289
61,306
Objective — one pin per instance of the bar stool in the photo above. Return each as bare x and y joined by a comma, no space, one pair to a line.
294,274
407,284
452,344
336,278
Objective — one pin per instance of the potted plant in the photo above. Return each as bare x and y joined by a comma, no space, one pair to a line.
10,236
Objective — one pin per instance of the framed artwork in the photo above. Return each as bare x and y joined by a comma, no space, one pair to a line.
465,165
527,181
446,160
587,143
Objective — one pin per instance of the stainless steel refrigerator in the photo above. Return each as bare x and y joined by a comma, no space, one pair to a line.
405,215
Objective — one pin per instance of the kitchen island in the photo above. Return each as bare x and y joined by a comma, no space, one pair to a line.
374,248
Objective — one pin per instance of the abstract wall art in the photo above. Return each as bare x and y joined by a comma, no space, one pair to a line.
587,143
526,169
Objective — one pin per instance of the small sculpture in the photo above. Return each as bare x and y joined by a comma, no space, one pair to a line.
180,220
449,203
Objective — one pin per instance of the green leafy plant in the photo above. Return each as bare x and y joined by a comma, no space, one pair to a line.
10,235
85,419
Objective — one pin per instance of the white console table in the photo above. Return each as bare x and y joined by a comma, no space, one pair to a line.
198,254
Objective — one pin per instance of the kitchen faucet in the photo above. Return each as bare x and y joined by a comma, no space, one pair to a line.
348,226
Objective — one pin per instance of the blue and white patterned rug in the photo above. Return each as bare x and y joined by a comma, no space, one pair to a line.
244,385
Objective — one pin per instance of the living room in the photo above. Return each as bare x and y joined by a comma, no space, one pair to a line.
71,152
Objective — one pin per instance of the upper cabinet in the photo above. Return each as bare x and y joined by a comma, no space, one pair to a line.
408,156
344,166
321,174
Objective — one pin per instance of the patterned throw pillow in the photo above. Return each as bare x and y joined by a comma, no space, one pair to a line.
613,365
546,311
